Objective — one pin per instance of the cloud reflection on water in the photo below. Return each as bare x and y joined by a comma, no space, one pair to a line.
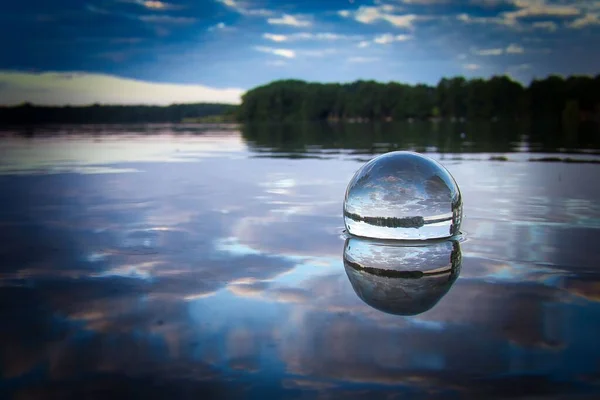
142,277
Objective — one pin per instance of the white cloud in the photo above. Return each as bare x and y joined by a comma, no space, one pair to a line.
321,36
471,67
153,5
389,38
489,52
287,53
537,8
586,20
258,12
367,14
548,25
287,19
221,26
59,88
528,9
159,5
514,49
150,18
401,21
325,36
274,37
362,59
466,18
243,9
372,14
510,49
364,43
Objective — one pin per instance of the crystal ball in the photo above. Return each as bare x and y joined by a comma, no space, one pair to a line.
403,195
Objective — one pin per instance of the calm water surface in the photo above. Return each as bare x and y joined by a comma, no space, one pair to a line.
193,262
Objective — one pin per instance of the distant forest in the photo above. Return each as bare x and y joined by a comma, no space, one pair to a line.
102,114
572,99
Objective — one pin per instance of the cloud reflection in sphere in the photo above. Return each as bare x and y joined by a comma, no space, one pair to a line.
404,196
401,279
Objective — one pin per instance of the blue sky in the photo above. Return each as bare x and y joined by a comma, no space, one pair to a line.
72,51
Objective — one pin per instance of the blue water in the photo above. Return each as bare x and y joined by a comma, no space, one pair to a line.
184,266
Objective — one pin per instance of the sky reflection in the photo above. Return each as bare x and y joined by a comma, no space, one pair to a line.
202,278
401,279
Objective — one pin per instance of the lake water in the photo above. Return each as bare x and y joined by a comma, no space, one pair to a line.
188,261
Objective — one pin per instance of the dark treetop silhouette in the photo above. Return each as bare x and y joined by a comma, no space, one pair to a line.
32,114
574,99
497,97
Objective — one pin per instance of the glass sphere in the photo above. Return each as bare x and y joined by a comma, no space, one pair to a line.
403,195
401,279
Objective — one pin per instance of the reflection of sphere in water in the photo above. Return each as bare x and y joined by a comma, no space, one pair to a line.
401,279
403,195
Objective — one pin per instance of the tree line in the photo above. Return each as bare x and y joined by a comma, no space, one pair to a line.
499,97
33,114
573,99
